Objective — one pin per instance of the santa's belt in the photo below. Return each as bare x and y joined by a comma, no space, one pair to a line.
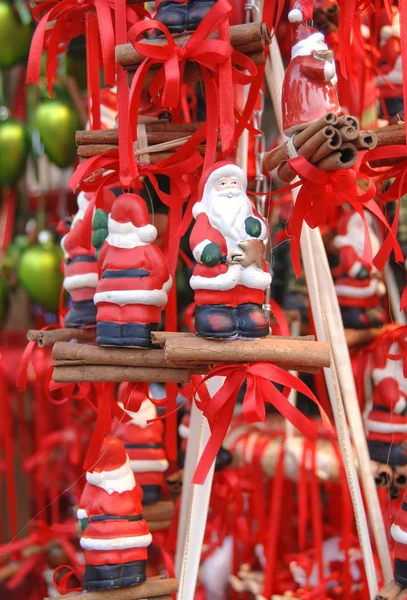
139,446
404,505
79,259
380,408
130,518
124,273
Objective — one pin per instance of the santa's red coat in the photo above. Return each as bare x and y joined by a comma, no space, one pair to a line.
81,269
225,284
384,421
364,293
113,535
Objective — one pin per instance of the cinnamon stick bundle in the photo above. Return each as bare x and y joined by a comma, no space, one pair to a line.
150,589
245,38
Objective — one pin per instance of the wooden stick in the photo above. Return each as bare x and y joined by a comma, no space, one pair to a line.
240,35
152,588
46,339
390,591
160,511
287,352
101,373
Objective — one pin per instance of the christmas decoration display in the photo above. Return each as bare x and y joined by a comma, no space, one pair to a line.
227,242
135,280
358,283
143,442
115,536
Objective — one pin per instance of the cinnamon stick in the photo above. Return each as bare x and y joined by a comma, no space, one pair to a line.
102,373
344,158
290,353
348,133
392,135
161,337
327,147
382,473
400,477
160,511
150,589
157,133
158,525
46,339
367,140
240,35
154,157
390,591
347,120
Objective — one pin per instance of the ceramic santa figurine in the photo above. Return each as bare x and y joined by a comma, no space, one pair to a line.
390,79
115,536
399,535
309,88
132,291
80,271
143,442
227,241
386,423
358,283
182,15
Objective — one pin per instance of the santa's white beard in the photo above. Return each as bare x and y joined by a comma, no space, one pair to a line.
229,214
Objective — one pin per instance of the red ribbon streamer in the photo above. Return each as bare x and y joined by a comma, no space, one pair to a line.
258,377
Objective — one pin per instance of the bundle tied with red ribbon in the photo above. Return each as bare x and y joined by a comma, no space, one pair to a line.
261,379
320,190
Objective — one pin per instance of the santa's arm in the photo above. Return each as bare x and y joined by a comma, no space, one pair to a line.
352,265
388,394
204,250
82,512
159,266
319,70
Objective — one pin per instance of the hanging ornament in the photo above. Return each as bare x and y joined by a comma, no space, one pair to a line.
39,272
15,37
14,149
57,123
227,242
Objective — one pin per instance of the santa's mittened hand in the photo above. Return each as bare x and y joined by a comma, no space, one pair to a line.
100,228
363,273
252,227
211,255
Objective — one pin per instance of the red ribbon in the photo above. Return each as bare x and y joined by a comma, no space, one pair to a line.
320,190
258,377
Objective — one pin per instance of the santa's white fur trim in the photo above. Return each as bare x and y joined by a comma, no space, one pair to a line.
355,268
81,514
295,16
183,431
149,466
398,534
251,277
229,170
197,251
311,43
124,543
146,413
348,291
123,297
127,235
75,282
395,76
117,480
400,405
382,427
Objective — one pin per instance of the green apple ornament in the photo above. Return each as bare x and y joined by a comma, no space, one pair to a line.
39,272
57,123
15,37
14,149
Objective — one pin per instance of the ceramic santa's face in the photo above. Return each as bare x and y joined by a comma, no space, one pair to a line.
227,185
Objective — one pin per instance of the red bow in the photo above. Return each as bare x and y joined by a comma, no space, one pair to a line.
260,378
398,335
319,190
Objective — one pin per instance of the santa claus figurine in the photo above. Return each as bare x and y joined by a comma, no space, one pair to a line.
399,535
358,283
390,80
80,271
386,422
309,88
227,241
143,442
115,535
132,291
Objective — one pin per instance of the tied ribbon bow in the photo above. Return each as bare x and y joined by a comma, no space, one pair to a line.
67,16
260,378
320,190
398,335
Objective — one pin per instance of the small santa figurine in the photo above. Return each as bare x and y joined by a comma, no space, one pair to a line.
115,536
358,283
228,242
390,79
80,271
399,535
309,88
386,422
132,291
143,442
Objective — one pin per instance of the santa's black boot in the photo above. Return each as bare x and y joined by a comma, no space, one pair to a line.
108,333
223,459
151,494
173,15
388,453
197,9
251,321
354,317
137,334
215,321
110,577
82,314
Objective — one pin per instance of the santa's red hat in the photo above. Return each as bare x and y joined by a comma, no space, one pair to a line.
112,456
132,209
130,397
301,31
211,176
